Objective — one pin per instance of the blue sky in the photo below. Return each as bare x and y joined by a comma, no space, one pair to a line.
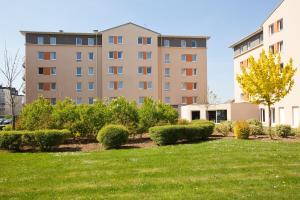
226,21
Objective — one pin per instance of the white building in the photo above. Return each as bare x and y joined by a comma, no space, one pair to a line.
5,108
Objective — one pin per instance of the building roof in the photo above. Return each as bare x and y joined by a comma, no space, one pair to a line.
247,37
23,32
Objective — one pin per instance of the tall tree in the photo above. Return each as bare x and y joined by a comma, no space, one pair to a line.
266,81
11,70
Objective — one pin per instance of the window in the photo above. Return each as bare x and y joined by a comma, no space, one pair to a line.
40,40
78,71
262,115
183,43
140,55
111,85
111,39
280,48
167,100
144,40
149,40
167,58
271,48
194,43
167,86
40,70
53,70
91,86
78,100
141,85
167,72
144,70
141,100
149,85
40,86
296,116
120,39
120,84
53,40
140,40
120,54
78,41
52,55
53,86
78,56
91,100
41,55
111,70
149,71
91,41
166,43
111,55
273,115
91,71
194,58
120,70
91,55
271,29
79,87
183,57
149,55
195,71
53,101
194,86
280,24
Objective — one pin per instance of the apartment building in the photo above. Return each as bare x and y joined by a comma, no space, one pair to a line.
5,106
279,34
127,60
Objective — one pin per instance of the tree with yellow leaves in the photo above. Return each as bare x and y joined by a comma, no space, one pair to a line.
266,81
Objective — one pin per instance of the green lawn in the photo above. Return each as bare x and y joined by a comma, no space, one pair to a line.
220,169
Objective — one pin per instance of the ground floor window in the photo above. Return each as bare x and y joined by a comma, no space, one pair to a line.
281,115
273,115
296,117
195,115
262,115
217,115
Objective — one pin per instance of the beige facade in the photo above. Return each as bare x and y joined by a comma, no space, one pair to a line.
127,60
280,33
5,102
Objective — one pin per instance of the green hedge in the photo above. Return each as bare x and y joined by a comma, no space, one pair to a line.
43,139
113,136
170,134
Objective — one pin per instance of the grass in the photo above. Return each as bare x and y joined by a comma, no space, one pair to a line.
220,169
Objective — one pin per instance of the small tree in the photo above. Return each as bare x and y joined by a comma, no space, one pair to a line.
36,115
265,81
11,71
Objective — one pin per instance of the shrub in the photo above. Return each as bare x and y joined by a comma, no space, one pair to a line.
113,136
151,113
241,130
256,127
182,122
7,128
283,130
47,139
10,140
170,134
225,127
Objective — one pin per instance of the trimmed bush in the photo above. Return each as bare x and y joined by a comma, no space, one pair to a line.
170,134
283,130
113,136
10,140
47,139
44,139
241,130
7,128
225,127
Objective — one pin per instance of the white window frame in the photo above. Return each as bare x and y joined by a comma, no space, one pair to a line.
168,101
79,59
167,86
78,100
196,45
78,41
53,68
40,40
52,55
109,55
109,39
78,74
53,89
91,53
91,84
91,41
166,43
167,59
183,43
169,72
92,68
79,89
52,41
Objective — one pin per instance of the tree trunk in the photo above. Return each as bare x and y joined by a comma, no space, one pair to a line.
270,122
